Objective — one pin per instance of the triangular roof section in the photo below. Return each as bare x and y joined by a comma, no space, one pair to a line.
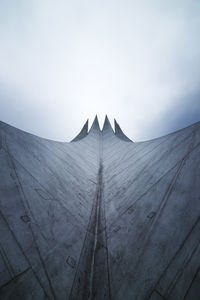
95,126
83,133
119,133
107,126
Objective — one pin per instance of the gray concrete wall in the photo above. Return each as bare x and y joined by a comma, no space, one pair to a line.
101,217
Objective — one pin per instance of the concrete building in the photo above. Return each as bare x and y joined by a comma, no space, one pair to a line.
100,217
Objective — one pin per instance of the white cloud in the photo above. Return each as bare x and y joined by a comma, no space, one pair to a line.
64,61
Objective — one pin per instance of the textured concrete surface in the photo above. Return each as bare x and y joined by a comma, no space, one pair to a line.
100,217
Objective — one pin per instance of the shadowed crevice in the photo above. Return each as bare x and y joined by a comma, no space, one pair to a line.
92,276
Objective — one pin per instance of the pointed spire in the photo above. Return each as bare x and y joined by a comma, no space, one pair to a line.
83,133
107,126
95,125
119,133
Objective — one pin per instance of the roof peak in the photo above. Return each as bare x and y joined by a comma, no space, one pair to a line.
95,125
107,126
119,133
83,133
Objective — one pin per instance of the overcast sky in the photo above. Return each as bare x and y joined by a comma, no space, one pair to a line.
62,62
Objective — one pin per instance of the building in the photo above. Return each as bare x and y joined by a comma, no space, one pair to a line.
100,217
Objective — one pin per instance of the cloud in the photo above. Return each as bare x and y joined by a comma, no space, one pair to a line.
184,112
62,62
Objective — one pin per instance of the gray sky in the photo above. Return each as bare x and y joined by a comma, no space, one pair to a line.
62,62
